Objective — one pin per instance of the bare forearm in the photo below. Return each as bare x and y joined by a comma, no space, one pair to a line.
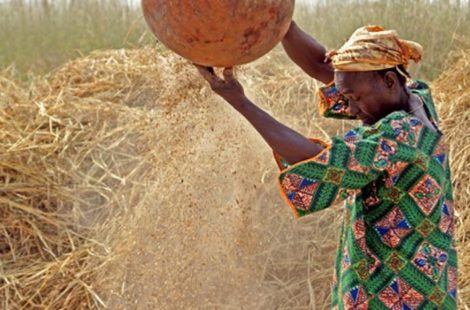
291,145
308,54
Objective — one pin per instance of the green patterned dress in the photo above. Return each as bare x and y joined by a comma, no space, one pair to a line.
396,247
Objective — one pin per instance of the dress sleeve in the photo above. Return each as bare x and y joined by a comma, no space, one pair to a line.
283,164
343,168
332,104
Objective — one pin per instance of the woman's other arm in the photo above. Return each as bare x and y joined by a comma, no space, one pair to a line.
308,54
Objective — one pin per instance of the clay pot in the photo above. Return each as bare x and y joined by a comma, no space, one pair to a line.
219,33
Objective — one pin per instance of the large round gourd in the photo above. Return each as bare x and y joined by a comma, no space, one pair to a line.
219,33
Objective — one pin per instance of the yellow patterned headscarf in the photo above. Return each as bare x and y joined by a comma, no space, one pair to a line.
372,48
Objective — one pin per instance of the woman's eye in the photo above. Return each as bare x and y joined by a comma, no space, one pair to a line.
352,98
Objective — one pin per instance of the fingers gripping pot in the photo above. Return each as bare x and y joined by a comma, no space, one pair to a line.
219,33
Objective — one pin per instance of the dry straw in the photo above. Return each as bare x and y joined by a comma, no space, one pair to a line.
126,184
452,90
71,158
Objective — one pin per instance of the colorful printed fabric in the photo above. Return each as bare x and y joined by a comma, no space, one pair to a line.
333,104
372,48
396,248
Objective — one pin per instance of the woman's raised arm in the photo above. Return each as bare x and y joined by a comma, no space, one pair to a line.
308,54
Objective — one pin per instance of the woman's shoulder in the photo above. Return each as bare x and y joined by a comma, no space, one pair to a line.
423,90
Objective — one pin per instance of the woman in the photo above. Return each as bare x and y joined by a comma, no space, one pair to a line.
397,248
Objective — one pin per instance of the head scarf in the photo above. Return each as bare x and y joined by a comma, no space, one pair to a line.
373,48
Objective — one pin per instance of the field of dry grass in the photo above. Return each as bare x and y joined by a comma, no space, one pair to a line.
126,184
38,36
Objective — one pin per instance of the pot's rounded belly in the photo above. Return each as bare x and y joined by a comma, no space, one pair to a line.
220,33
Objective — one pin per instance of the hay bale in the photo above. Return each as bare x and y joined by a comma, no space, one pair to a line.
68,163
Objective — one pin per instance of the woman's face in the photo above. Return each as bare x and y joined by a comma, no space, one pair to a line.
371,96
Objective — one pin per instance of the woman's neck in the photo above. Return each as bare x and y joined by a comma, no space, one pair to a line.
416,107
406,100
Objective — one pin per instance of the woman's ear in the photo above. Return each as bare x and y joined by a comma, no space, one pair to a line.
391,80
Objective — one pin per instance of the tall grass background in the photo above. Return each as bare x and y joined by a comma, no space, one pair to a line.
39,35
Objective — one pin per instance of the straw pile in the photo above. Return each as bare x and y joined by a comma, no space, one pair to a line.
452,90
127,184
68,161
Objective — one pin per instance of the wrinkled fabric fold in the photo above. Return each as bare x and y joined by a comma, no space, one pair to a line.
373,48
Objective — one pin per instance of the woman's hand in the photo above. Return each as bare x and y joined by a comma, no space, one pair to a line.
228,87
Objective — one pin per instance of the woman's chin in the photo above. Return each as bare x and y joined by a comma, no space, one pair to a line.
366,121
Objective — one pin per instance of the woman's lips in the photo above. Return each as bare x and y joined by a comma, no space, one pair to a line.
363,118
